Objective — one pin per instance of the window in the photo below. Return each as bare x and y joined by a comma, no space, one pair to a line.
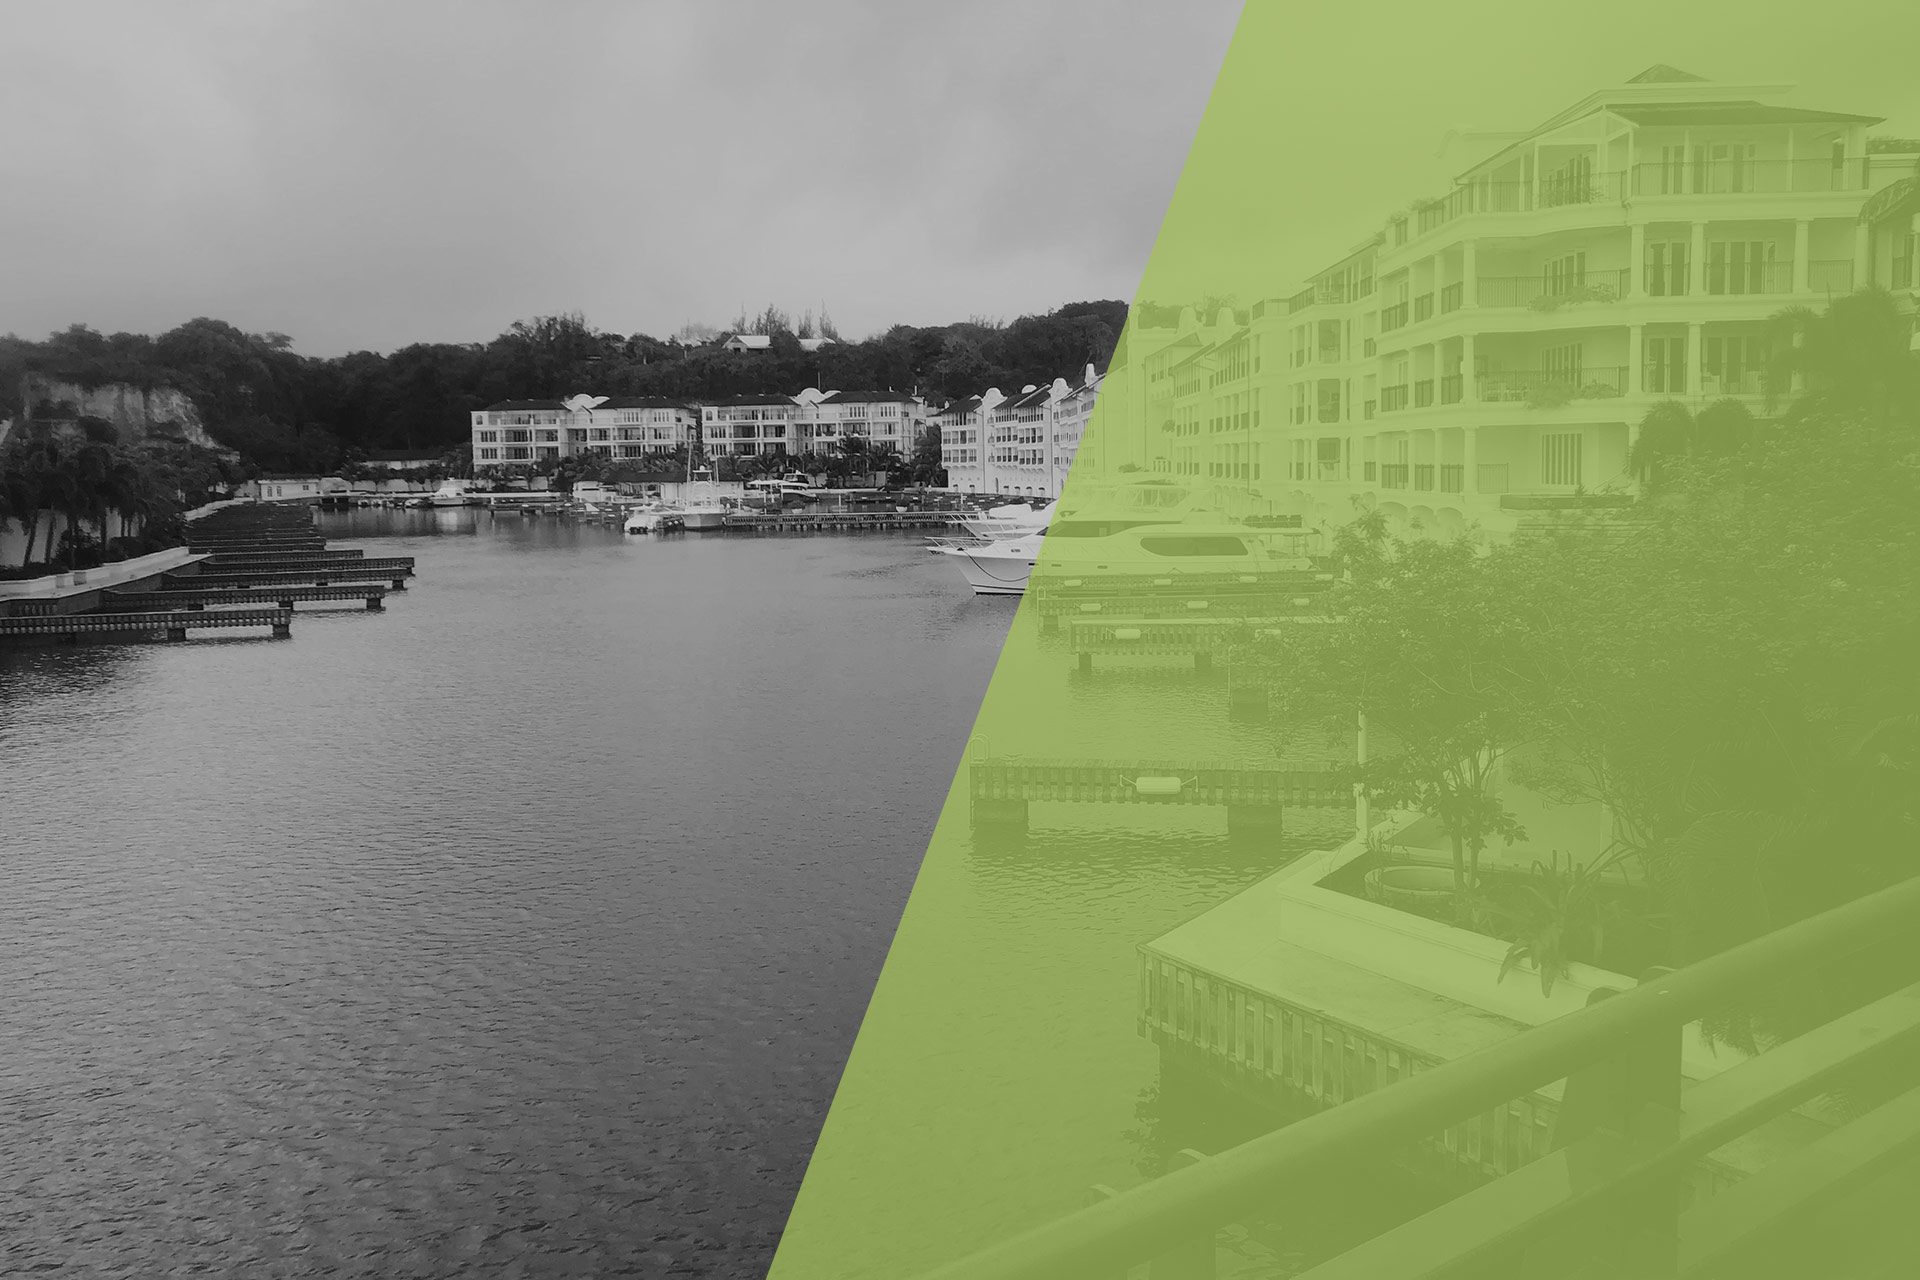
1564,275
1732,363
1740,266
1666,369
1560,460
1193,545
1563,365
1667,268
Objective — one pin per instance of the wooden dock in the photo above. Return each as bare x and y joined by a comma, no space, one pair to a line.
999,791
171,624
373,594
838,521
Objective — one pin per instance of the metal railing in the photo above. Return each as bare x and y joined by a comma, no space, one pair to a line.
1706,176
1394,397
1423,307
1546,291
1620,1179
1422,393
1551,385
1393,475
1393,317
1452,296
1452,477
1423,477
1452,388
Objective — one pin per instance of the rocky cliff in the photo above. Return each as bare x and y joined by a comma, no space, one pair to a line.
136,413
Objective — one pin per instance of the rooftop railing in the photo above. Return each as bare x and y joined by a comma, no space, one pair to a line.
1615,1178
1707,176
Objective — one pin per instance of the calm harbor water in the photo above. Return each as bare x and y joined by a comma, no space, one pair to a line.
519,930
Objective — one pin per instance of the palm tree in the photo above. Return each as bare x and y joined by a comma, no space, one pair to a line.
1666,433
1852,358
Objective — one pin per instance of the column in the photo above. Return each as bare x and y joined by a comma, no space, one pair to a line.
1469,462
1636,359
1636,260
1693,383
1802,240
1469,283
1697,260
1466,369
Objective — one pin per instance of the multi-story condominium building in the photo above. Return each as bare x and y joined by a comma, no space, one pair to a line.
1495,348
1021,444
536,432
814,421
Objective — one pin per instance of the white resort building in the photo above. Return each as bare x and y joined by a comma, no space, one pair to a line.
1023,443
535,432
1493,349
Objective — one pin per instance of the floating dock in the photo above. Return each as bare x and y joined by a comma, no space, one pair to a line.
172,625
999,791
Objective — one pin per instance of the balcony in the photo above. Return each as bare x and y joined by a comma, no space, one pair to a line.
1422,393
1546,293
1708,177
1423,477
1545,388
1423,307
1329,355
1452,474
1369,346
1367,408
1393,475
1452,296
1452,388
1393,317
1902,274
1393,398
1554,191
1367,472
1830,275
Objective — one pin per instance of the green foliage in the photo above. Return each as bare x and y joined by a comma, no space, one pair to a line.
1557,916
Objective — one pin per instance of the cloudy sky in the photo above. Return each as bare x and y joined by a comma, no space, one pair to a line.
365,174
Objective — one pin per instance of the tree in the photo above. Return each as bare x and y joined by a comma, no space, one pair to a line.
1418,641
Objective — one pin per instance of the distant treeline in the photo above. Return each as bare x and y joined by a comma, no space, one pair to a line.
287,412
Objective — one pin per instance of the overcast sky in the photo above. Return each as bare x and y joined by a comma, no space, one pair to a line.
365,174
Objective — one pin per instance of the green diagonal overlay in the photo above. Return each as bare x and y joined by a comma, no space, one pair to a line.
1494,788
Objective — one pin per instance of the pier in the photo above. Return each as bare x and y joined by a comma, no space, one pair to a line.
374,596
837,521
172,625
999,791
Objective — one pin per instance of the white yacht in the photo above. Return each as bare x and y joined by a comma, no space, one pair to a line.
1009,521
451,493
703,508
649,517
1122,546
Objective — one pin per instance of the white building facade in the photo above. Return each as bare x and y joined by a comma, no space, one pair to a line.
541,432
1493,350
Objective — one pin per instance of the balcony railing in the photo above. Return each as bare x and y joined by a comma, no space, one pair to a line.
1367,472
1393,475
1329,355
1614,1180
1490,477
1451,296
1369,346
1423,477
1710,177
1548,292
1422,393
1552,191
1452,388
1902,273
1746,382
1423,307
1393,317
1544,388
1451,476
1392,398
1830,275
1367,408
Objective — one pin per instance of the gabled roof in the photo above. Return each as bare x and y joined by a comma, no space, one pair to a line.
1661,73
870,397
750,341
510,406
641,402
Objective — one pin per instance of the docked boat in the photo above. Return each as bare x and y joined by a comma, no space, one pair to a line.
1009,521
651,517
1164,548
451,493
702,508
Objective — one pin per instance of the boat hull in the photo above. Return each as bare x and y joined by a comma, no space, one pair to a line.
990,575
701,519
